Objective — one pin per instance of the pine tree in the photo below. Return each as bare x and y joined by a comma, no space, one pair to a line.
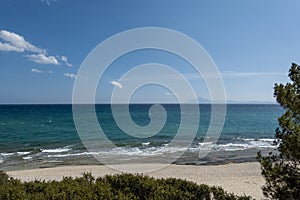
282,170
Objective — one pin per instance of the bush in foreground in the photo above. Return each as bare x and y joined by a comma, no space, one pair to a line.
123,186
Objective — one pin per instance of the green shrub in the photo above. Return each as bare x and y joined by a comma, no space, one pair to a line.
3,177
282,171
122,186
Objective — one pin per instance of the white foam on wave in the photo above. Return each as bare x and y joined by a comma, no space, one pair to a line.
248,143
127,151
152,151
27,157
253,139
71,154
146,150
205,143
145,143
259,144
23,152
266,140
234,147
205,146
57,150
7,154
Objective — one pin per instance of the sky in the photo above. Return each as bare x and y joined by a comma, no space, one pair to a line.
43,44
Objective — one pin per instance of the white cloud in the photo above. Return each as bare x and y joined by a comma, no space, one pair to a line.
117,84
43,59
69,75
65,60
19,42
36,70
9,47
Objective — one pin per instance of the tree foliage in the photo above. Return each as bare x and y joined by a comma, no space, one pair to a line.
122,186
282,170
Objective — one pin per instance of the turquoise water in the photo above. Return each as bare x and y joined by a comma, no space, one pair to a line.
34,136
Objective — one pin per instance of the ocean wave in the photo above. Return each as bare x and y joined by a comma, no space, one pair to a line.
57,150
248,143
234,147
205,146
14,153
23,152
266,140
151,151
253,139
6,154
127,151
27,157
146,150
71,154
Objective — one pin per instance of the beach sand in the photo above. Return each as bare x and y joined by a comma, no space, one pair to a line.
240,178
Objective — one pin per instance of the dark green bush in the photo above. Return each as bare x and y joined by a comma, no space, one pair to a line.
122,186
3,177
282,170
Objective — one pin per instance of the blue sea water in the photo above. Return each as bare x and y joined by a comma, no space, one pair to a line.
35,136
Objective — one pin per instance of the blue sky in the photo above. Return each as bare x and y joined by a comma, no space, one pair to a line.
43,43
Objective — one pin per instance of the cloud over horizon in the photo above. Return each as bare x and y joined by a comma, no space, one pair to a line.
65,60
18,42
43,59
13,42
8,47
34,70
70,75
117,84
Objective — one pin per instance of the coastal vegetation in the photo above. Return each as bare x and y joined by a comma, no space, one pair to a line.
282,170
122,186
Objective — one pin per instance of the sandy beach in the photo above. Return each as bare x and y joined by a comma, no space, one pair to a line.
241,178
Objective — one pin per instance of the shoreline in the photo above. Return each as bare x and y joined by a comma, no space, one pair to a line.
238,178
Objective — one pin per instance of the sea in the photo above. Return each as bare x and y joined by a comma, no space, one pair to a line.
41,136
